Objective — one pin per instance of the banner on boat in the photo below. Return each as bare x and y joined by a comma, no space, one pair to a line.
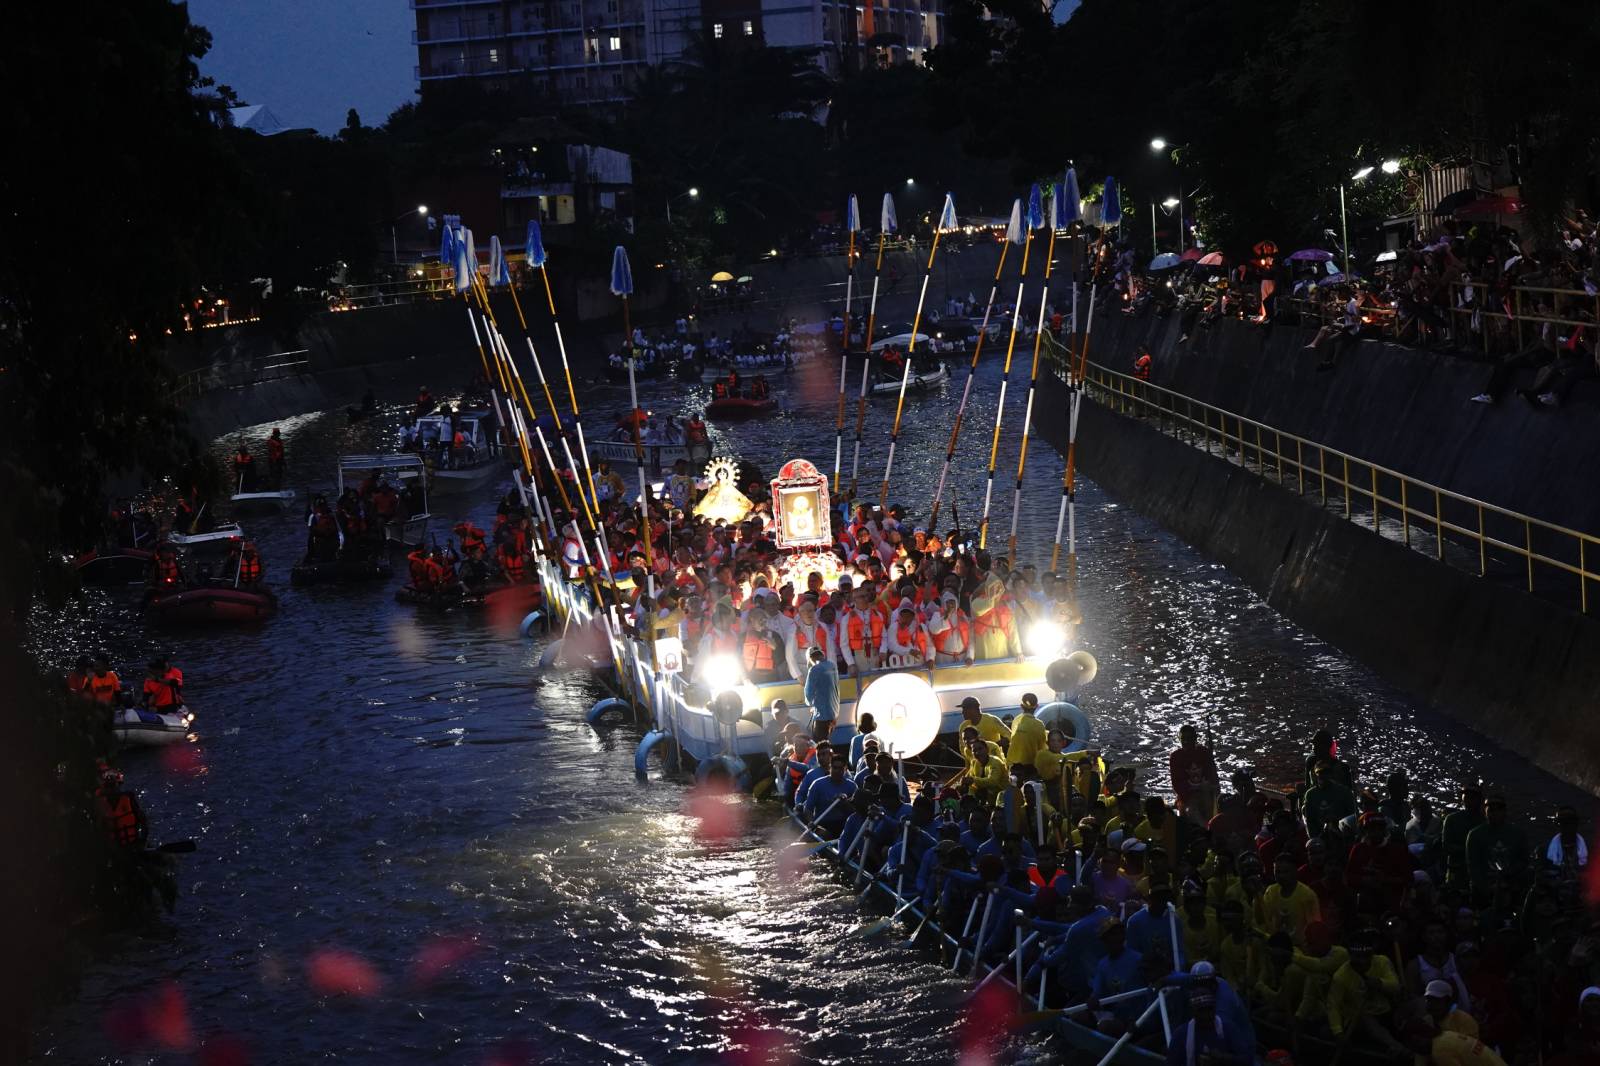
800,505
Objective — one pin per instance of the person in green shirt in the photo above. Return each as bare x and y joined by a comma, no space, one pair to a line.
1327,801
1453,838
1497,853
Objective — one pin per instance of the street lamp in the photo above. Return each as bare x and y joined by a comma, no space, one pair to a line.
1388,166
394,240
692,194
1157,144
911,181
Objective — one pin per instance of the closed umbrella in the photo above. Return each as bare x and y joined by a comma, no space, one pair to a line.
621,273
1111,205
947,217
535,246
1071,199
1035,208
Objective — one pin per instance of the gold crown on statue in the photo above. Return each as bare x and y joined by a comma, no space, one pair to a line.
722,469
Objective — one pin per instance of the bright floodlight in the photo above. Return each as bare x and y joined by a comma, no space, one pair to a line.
1170,202
721,673
1045,638
911,181
1158,145
906,710
1391,166
422,209
693,192
1362,173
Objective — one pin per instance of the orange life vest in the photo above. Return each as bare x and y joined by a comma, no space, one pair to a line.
249,568
856,631
420,577
274,450
472,538
1141,367
104,688
511,565
122,819
913,638
167,575
160,693
803,642
79,685
956,639
757,654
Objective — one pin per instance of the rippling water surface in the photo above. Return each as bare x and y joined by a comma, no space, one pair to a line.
375,787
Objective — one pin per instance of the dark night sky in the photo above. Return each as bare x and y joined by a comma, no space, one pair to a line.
312,60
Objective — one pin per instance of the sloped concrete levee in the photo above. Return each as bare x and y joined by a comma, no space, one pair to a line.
1521,670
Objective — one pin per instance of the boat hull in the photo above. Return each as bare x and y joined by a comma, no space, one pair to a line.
261,502
121,566
205,606
740,407
916,382
470,479
146,729
341,571
215,542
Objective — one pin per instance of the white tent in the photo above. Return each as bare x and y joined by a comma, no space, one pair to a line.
257,118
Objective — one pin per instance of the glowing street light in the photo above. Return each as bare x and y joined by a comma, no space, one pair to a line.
911,181
1391,166
694,192
1170,202
1158,145
422,209
1361,174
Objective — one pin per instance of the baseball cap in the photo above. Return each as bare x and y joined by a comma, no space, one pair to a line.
1439,990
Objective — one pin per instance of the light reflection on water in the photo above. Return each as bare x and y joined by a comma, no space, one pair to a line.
368,778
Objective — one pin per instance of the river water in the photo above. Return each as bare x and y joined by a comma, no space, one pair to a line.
400,806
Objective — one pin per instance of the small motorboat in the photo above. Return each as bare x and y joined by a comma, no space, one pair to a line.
214,602
212,542
728,407
440,599
113,566
149,729
257,502
411,528
457,470
925,379
341,571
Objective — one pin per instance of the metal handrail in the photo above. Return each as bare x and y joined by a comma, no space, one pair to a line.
1358,480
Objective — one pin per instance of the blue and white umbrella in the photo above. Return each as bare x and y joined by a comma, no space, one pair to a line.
621,273
535,245
947,217
1014,227
447,245
472,249
1035,208
852,215
887,223
1111,206
464,266
499,269
1071,199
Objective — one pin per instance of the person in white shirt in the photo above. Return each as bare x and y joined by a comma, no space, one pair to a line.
951,631
805,632
905,637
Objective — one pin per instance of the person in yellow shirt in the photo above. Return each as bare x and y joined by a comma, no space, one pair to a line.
1160,826
1316,964
1447,1047
1288,905
988,777
1126,818
1362,996
1238,954
1201,931
1028,736
969,736
989,727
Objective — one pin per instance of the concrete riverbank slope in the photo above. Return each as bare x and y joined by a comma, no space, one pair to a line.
1521,670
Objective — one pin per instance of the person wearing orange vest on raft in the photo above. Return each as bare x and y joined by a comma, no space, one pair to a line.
994,629
160,694
423,576
951,631
104,684
906,638
165,573
513,565
80,678
244,468
275,457
861,632
805,633
474,541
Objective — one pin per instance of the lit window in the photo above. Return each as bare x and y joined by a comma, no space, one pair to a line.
494,56
616,43
749,28
716,30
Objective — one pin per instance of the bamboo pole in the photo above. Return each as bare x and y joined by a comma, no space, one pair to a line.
1067,514
1000,404
838,422
861,417
1027,411
872,306
911,351
966,391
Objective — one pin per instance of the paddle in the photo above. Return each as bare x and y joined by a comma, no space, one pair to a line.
874,928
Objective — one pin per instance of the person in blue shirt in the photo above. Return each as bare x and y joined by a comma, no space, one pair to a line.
1237,1031
885,767
1151,926
864,730
822,692
1117,972
928,866
821,759
977,832
1073,960
820,798
860,816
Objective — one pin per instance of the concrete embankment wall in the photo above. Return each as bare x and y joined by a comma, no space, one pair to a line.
1398,407
1517,669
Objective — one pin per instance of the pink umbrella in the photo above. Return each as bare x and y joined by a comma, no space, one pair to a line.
1211,259
1190,256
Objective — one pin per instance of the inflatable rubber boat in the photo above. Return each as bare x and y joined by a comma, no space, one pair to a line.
114,566
220,602
149,729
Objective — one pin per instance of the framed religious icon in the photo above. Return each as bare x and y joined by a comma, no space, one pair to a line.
800,506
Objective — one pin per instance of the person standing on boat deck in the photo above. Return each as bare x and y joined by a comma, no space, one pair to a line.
1028,738
994,627
906,638
951,631
275,458
244,468
862,632
79,677
1194,777
822,694
1323,746
988,726
804,633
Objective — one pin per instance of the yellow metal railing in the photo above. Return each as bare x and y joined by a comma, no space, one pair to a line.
1416,512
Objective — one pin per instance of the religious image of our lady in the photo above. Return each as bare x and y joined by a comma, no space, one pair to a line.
802,519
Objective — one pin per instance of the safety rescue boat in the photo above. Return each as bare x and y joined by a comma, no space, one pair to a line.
213,603
133,725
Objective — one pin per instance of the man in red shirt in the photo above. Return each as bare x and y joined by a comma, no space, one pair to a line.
1194,777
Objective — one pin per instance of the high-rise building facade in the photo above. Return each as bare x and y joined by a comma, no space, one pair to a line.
590,52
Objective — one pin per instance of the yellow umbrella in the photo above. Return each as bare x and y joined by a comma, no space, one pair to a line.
722,275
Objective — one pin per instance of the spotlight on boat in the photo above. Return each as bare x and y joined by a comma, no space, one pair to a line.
907,711
721,673
1071,672
1046,638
